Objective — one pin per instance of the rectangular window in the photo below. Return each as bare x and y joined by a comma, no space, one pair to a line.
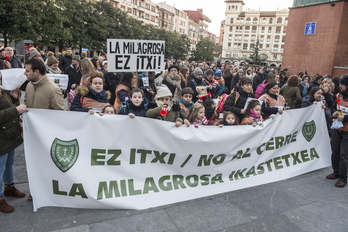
278,29
245,46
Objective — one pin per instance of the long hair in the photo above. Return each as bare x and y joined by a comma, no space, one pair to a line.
194,112
87,67
226,113
252,104
127,79
313,91
182,73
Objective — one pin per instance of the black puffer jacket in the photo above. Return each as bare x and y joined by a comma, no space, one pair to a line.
236,105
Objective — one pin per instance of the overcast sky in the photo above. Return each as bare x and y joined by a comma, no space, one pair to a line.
215,10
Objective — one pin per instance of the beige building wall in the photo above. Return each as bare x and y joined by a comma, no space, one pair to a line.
243,28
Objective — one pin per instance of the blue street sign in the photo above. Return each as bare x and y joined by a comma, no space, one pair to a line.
310,28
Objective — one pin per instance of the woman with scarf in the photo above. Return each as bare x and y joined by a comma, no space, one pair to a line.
273,103
304,86
174,81
92,98
52,64
86,68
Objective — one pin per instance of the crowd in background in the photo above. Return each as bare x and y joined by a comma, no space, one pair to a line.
198,93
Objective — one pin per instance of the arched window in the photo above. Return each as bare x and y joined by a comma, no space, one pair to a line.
231,20
263,20
270,20
286,20
279,20
255,20
248,20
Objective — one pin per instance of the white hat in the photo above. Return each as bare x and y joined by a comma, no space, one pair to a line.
163,91
104,62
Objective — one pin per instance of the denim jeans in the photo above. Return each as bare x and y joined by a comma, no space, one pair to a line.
6,169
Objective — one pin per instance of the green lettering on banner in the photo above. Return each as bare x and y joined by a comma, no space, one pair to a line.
131,189
270,145
123,187
56,190
193,183
132,156
171,158
112,160
258,150
239,174
268,163
286,158
165,186
150,185
95,156
204,179
260,168
203,160
314,154
78,190
294,135
296,158
304,156
278,164
159,157
251,172
278,141
178,181
287,139
217,178
108,192
219,159
143,155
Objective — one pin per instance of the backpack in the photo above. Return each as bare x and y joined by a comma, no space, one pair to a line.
221,103
260,89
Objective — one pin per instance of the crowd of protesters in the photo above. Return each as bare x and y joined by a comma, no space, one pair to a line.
215,94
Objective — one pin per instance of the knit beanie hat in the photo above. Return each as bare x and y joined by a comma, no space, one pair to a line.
51,59
76,57
344,80
240,71
173,66
34,53
163,91
197,71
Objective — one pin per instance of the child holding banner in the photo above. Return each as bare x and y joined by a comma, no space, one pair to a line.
93,97
229,119
136,106
166,109
253,113
197,115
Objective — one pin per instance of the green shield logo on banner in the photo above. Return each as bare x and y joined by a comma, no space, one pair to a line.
308,130
64,153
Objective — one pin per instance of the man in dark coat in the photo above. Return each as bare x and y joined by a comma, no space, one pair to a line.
65,62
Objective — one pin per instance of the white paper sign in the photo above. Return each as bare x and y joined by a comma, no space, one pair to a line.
61,80
135,55
12,78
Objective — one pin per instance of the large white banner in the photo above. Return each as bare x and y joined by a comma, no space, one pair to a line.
114,162
126,55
